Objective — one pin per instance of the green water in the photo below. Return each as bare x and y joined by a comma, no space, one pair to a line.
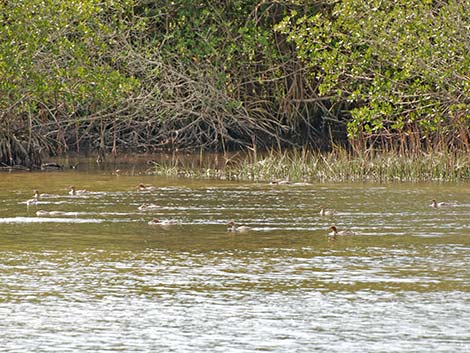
99,278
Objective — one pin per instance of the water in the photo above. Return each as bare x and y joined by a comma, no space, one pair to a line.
100,279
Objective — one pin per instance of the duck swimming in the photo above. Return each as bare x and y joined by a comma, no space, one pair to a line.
436,204
34,200
51,166
280,182
327,212
37,195
74,192
234,228
143,187
288,182
162,222
148,207
334,232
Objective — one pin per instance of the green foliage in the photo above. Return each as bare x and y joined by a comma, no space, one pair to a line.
233,38
112,74
59,55
399,64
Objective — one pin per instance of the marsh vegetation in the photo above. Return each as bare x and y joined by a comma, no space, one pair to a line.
307,166
105,77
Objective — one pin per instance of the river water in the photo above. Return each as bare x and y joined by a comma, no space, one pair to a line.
98,278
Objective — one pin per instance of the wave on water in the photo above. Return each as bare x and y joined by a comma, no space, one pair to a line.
49,220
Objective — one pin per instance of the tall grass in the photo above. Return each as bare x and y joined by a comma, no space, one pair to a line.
336,166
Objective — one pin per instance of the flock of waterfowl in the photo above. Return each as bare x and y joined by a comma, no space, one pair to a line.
232,226
74,192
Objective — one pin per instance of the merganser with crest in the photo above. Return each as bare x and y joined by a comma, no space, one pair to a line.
280,182
334,232
327,212
148,207
234,228
143,187
436,204
37,195
74,192
34,200
162,222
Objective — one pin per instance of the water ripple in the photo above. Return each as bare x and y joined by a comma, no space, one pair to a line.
108,282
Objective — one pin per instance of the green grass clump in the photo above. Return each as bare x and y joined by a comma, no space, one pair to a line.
336,166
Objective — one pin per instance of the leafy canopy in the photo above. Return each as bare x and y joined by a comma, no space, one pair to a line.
397,63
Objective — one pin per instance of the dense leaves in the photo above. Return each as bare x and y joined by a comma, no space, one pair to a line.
56,50
403,66
109,75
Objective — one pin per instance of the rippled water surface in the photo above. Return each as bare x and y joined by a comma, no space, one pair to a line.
98,278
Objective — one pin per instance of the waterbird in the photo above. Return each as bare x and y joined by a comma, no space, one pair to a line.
327,212
37,195
34,200
74,192
334,232
234,228
162,222
280,182
51,166
436,204
148,207
143,187
288,182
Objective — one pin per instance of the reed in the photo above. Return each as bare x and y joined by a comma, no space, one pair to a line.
338,165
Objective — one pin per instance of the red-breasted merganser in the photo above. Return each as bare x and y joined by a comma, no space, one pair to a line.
37,195
162,222
34,200
74,192
436,204
280,182
143,187
148,207
334,232
234,228
327,212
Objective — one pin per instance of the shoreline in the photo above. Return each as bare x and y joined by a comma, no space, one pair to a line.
273,166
